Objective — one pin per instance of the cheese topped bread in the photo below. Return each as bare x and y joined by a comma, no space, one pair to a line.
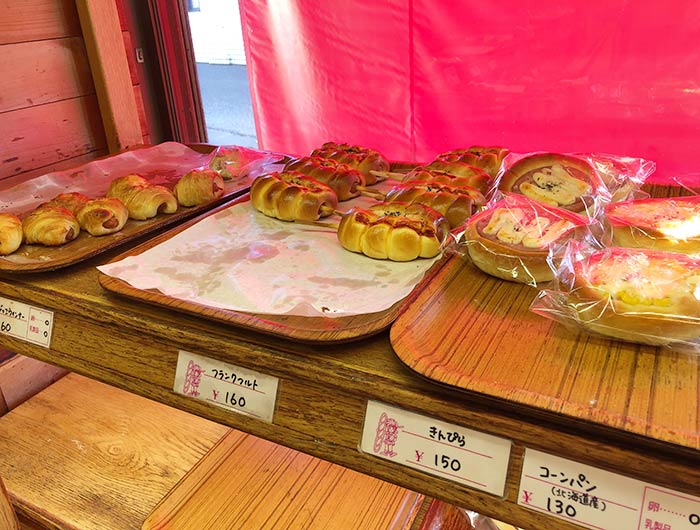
512,238
671,224
638,294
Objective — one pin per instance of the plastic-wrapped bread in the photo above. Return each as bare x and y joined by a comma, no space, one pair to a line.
394,231
50,225
342,178
559,180
11,234
72,201
487,158
452,173
142,199
292,196
671,224
198,186
635,294
456,203
103,216
363,159
512,238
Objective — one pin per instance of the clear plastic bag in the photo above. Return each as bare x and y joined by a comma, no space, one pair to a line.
513,238
631,294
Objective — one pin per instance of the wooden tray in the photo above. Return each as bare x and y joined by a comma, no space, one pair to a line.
304,329
39,258
475,332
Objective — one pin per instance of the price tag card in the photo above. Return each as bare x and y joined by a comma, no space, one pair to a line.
25,322
237,389
448,451
602,500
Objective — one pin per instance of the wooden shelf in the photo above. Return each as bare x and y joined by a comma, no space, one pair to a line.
323,392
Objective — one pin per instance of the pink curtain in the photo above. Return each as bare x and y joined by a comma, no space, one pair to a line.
412,78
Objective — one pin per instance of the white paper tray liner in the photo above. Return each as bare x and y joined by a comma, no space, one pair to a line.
241,260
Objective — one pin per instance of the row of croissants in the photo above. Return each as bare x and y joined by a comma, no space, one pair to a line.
61,219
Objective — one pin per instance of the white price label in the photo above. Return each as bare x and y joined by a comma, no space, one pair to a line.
449,451
232,387
26,322
602,500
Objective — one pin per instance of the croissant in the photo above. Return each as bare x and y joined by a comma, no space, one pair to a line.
11,234
72,201
50,225
103,216
142,199
199,186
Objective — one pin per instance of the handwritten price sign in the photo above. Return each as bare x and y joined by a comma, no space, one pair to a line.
25,322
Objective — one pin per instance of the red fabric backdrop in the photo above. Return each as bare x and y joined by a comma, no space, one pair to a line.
416,77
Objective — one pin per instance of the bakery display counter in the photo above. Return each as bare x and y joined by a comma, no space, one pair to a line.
323,398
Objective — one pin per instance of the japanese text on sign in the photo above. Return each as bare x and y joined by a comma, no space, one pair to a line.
598,499
455,453
26,322
237,389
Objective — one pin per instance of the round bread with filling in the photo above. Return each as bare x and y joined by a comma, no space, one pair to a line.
558,180
394,231
511,239
292,196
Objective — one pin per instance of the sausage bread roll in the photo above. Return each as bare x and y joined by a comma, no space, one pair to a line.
142,199
342,178
637,294
395,231
11,234
559,180
456,203
103,216
487,158
452,173
72,201
511,239
199,186
292,196
50,225
671,224
361,158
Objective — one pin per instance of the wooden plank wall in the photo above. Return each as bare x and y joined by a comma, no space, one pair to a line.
49,114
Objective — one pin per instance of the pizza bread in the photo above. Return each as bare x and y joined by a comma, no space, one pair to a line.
511,239
11,234
671,224
50,225
198,186
452,173
103,216
292,196
558,180
142,199
456,203
487,158
342,178
638,295
394,231
363,159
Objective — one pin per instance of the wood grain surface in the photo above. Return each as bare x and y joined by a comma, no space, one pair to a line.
247,483
8,519
306,329
476,333
81,454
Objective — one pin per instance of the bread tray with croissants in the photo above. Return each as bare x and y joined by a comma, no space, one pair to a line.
62,218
